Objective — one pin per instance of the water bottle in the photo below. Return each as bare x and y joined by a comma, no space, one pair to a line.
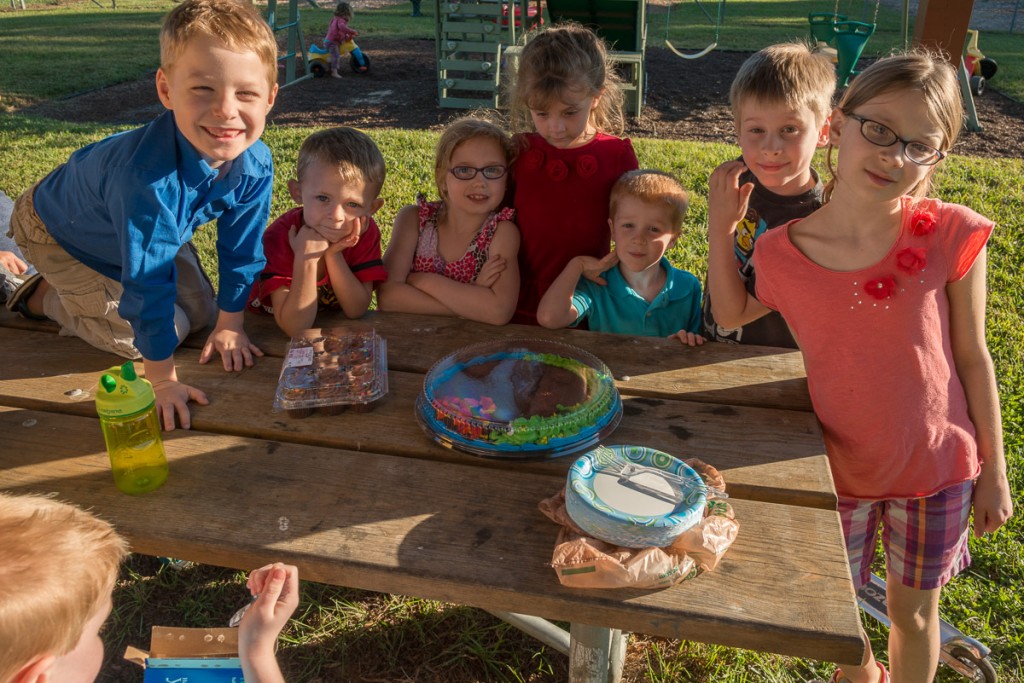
127,408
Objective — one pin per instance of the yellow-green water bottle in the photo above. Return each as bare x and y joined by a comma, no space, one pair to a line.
127,408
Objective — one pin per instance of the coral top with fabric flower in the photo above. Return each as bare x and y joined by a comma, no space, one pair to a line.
561,203
877,348
427,258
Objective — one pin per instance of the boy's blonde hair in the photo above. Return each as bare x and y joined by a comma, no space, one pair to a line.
58,564
792,74
920,70
563,59
343,10
235,23
355,156
652,187
460,131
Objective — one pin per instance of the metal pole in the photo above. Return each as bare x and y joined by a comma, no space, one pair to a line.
1013,19
543,630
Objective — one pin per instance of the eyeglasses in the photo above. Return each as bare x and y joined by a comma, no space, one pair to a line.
469,172
883,136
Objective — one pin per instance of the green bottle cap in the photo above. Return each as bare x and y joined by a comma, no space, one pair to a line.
122,392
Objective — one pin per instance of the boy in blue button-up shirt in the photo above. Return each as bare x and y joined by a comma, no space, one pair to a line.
110,230
634,290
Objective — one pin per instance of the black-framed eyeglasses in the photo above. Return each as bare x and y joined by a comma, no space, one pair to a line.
469,172
879,134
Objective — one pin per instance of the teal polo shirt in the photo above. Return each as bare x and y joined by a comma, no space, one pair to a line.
617,308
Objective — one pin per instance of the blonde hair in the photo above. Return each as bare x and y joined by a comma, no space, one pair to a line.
922,71
563,59
343,10
460,131
58,564
235,23
352,152
791,74
652,187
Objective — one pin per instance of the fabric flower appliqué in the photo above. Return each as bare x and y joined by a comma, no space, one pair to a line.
586,166
922,223
882,288
911,260
533,159
557,170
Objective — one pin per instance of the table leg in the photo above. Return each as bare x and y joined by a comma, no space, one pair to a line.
596,654
541,629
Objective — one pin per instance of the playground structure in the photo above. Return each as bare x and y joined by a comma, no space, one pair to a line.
477,42
846,37
471,38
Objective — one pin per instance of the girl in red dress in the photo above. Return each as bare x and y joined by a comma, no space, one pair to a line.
566,105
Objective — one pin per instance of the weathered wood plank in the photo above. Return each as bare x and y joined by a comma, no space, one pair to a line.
771,455
658,368
438,530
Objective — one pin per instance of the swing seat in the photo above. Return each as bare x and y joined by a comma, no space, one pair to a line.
851,37
623,26
823,27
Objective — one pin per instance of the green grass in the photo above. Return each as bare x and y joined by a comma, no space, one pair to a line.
38,65
341,634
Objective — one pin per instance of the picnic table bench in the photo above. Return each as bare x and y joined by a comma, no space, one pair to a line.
367,500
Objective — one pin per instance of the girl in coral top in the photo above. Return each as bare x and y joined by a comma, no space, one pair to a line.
884,290
457,256
566,103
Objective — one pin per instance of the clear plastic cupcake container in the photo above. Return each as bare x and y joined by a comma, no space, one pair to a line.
332,370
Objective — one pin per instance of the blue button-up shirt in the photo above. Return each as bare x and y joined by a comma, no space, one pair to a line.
125,205
616,307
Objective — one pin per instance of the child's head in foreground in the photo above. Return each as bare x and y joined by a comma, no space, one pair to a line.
339,176
218,73
646,212
565,88
58,565
469,149
343,10
893,88
781,99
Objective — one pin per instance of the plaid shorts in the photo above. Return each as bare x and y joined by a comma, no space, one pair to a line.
925,539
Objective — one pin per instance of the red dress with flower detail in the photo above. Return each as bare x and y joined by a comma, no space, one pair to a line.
561,203
427,258
877,348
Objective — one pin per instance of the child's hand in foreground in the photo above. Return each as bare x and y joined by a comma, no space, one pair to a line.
10,261
307,242
276,591
687,338
231,342
593,267
727,200
172,399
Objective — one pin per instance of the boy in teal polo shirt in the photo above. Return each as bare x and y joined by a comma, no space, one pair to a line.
634,290
110,230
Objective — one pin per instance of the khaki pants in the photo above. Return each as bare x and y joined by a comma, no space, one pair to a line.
85,302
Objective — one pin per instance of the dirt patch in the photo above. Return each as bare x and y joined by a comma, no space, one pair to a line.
686,100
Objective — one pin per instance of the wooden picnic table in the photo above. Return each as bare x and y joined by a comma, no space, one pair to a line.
367,500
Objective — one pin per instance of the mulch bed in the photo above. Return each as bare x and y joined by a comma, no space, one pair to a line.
686,100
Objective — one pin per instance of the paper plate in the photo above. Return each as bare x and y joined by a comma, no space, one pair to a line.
634,496
519,399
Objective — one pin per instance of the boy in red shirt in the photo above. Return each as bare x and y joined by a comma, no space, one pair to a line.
327,251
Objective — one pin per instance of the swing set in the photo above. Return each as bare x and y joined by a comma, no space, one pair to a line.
716,20
846,36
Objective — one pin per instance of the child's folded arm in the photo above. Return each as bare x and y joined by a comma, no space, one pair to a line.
396,294
731,304
557,308
494,304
